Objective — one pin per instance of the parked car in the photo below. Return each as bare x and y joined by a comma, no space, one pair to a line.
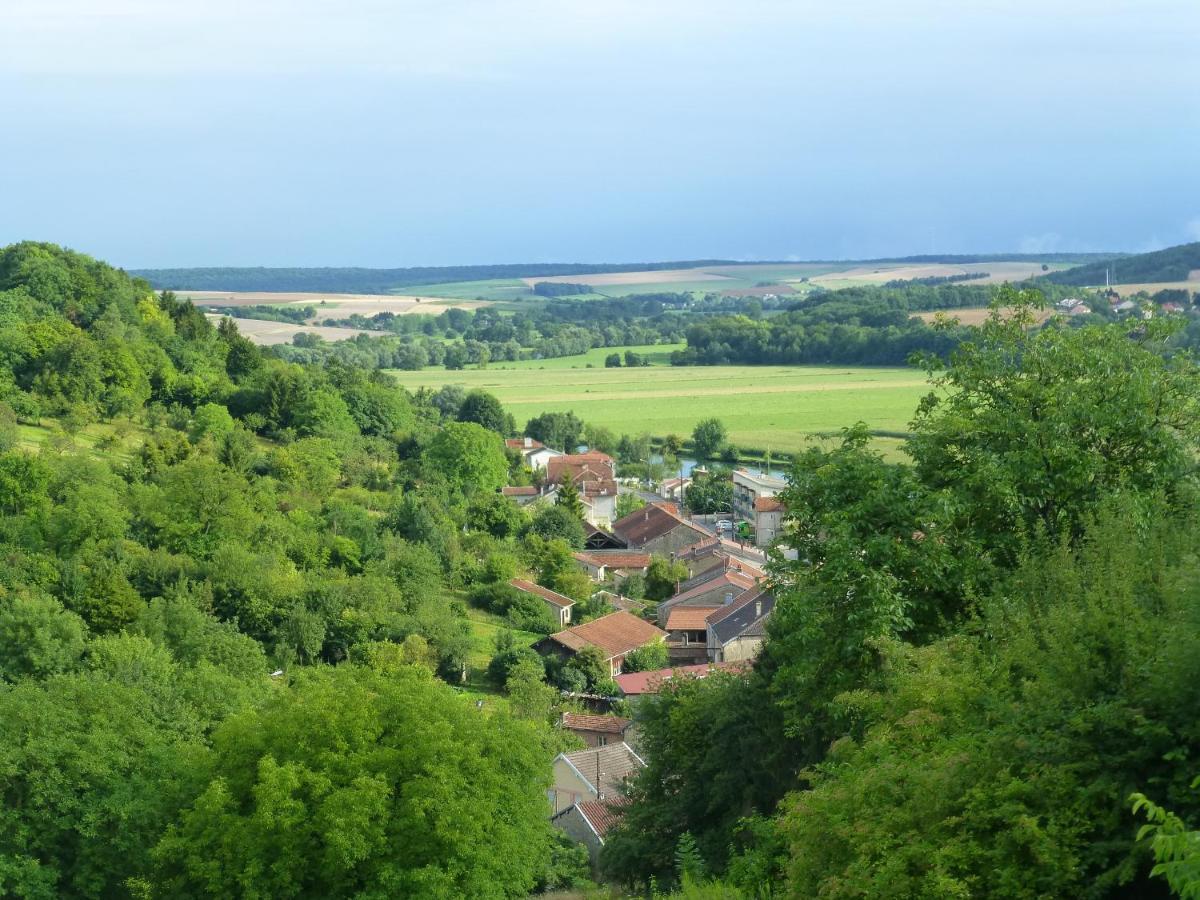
724,525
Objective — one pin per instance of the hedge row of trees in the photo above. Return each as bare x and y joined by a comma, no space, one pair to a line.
978,660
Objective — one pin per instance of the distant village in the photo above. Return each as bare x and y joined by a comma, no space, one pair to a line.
715,619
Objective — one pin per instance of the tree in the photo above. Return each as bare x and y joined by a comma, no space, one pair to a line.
468,456
708,437
551,522
710,493
568,497
399,788
1030,428
562,431
38,637
649,658
663,577
672,445
484,409
627,503
612,361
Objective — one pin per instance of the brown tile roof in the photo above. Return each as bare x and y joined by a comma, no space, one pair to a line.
735,582
607,767
592,473
603,815
652,521
633,684
615,559
615,634
519,491
545,593
690,618
519,444
603,724
767,504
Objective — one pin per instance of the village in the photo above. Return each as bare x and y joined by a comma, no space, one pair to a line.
714,619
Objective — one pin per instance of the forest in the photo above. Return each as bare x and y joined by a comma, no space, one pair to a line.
234,627
1171,264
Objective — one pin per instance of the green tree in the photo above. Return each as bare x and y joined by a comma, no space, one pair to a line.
38,637
627,503
399,788
708,437
468,456
484,409
663,577
568,497
649,658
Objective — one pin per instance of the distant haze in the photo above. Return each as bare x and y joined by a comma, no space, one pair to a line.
401,133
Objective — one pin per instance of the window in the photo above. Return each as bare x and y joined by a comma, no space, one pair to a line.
603,740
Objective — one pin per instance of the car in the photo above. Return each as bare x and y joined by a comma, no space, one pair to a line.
724,525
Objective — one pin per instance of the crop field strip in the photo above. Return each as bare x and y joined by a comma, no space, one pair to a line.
776,407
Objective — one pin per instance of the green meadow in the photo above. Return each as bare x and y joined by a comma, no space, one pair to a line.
764,407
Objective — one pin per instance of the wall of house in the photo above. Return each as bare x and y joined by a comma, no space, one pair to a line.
560,613
576,827
766,526
678,538
739,649
568,788
596,738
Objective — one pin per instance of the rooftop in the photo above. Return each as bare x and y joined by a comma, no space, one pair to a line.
545,593
615,634
615,559
767,504
602,815
765,482
690,618
604,724
606,768
652,521
633,684
744,617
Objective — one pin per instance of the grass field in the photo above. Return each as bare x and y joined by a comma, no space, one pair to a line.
484,628
779,407
658,354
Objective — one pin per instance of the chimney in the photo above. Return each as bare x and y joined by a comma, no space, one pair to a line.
758,609
728,597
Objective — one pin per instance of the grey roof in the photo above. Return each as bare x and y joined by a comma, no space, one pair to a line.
607,767
745,617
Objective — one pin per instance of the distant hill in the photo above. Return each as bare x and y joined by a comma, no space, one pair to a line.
1171,264
380,281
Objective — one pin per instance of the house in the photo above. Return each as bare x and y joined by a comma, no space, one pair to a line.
674,488
713,552
687,634
658,528
712,588
597,538
596,731
615,635
748,487
736,632
768,516
588,821
594,475
597,773
634,685
534,454
522,495
603,565
558,605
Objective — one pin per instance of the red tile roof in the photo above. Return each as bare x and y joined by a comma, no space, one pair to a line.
635,683
690,618
767,504
602,724
519,444
545,593
519,491
593,473
602,815
615,634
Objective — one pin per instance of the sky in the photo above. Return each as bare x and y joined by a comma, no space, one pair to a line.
155,133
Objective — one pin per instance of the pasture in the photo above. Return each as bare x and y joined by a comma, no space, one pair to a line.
775,407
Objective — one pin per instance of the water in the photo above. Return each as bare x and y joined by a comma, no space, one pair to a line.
689,464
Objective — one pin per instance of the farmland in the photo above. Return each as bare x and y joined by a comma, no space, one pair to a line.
776,407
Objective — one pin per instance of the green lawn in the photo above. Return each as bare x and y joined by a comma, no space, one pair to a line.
779,407
484,628
658,354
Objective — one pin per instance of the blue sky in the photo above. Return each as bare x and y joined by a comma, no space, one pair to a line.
393,133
